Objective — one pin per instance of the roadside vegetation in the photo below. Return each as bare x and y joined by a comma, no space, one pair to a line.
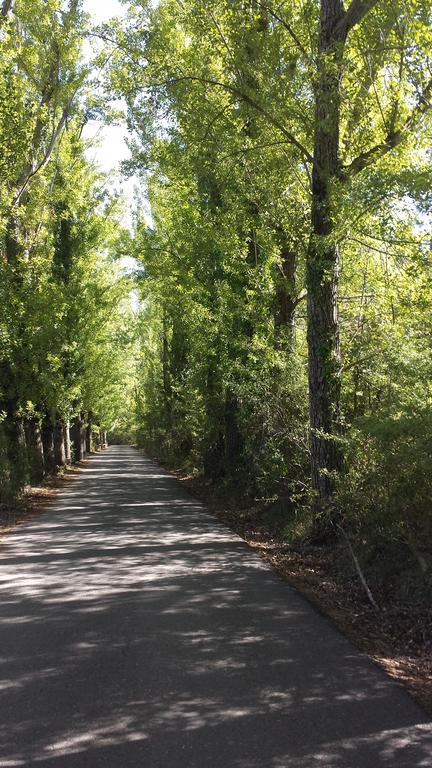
65,316
277,345
286,271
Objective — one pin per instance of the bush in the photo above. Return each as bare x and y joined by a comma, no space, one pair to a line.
385,495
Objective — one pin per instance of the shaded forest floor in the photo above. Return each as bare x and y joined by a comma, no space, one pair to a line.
398,637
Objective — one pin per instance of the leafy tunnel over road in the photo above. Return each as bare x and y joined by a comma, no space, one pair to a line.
137,630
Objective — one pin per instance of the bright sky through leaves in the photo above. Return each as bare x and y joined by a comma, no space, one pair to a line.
111,147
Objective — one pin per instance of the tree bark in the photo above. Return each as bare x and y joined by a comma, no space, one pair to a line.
16,453
323,264
5,8
59,444
89,440
83,434
78,437
11,241
285,297
166,373
214,445
35,451
48,444
234,444
67,442
98,441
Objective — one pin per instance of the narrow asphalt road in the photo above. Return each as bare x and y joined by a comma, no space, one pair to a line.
137,631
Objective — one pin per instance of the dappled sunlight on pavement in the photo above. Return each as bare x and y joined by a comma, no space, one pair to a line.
138,631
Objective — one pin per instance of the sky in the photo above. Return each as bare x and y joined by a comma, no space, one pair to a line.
103,9
111,146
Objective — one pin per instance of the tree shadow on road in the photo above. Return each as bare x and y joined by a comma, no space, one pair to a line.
138,631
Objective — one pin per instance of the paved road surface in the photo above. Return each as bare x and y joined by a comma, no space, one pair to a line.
138,631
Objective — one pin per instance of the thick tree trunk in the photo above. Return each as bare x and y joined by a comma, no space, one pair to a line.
48,444
67,442
35,451
98,441
83,434
89,440
78,437
59,444
16,453
323,266
4,466
285,298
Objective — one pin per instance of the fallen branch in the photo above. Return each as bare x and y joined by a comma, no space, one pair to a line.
359,570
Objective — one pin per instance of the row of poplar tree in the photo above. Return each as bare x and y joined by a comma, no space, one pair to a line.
63,300
282,342
286,285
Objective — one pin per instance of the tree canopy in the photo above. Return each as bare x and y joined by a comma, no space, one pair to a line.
280,342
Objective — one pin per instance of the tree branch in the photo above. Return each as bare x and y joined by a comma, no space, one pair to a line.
393,139
134,53
254,148
353,16
359,570
286,25
33,170
248,99
5,8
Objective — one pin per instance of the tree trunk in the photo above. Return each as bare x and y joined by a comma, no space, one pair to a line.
78,435
35,451
323,266
214,446
83,434
16,453
59,444
48,444
5,8
12,247
166,373
89,440
286,298
98,440
233,437
67,442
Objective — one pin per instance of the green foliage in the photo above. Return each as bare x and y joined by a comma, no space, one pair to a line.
386,496
67,327
280,174
224,129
